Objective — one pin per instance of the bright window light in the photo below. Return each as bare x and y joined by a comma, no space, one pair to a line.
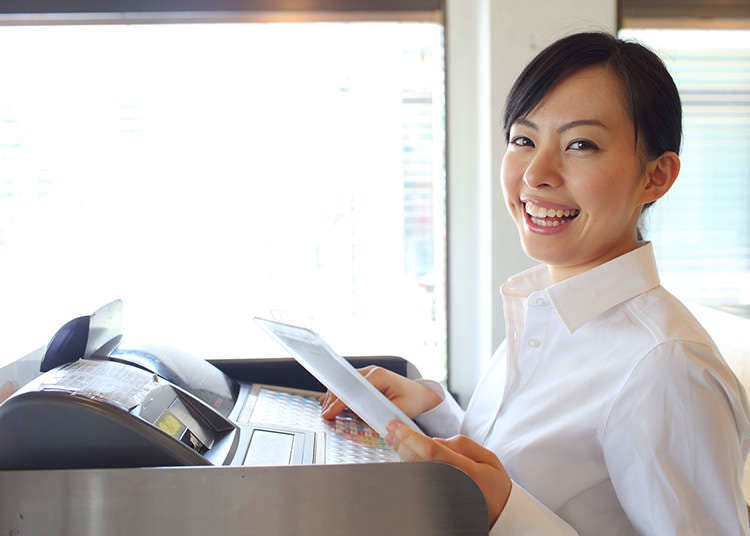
205,173
701,229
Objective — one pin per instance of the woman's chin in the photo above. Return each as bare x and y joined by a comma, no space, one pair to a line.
553,254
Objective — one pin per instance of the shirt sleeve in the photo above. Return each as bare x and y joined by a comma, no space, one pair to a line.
675,442
444,420
524,515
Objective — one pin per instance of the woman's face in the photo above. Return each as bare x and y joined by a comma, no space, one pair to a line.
572,177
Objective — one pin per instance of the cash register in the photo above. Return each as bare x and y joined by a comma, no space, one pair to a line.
227,447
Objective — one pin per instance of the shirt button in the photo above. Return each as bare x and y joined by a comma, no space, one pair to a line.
534,343
540,302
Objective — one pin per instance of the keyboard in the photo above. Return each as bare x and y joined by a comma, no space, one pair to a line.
347,439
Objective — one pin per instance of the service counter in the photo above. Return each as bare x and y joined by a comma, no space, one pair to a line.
311,499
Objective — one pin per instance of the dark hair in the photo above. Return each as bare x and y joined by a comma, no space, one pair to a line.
653,102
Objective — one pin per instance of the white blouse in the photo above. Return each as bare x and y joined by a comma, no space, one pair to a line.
610,407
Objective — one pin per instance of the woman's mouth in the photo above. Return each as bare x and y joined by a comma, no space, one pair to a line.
547,220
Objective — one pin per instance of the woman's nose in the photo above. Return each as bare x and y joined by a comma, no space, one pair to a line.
543,171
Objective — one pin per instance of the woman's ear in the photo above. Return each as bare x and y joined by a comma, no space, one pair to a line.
660,175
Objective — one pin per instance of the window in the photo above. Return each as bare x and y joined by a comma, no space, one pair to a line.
207,172
701,228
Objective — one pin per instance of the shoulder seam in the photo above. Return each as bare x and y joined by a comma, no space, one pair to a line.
634,310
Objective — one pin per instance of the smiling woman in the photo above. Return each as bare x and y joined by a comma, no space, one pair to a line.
570,131
608,409
576,151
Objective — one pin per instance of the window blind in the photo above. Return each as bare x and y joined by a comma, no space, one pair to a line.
701,228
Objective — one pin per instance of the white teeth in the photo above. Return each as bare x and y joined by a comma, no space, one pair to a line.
546,223
543,212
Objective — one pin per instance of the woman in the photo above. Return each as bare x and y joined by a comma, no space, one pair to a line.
607,409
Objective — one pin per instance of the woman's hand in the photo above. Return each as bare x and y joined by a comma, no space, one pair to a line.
480,464
7,389
409,396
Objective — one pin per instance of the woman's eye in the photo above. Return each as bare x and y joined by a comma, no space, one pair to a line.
521,141
583,145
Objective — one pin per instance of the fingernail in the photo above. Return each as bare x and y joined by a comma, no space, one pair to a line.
389,438
392,426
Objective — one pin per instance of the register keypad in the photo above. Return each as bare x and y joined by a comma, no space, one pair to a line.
347,439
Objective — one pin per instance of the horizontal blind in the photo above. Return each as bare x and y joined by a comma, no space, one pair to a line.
701,228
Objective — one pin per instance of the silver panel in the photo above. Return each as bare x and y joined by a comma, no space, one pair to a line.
368,499
269,448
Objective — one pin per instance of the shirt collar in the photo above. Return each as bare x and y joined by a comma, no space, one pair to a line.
585,296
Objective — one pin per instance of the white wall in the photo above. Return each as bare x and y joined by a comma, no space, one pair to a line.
488,42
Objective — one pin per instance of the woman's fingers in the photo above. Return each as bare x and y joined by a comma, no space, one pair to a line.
480,464
408,395
331,406
7,389
327,400
471,449
376,376
413,447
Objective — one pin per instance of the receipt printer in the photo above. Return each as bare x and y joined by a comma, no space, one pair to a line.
101,406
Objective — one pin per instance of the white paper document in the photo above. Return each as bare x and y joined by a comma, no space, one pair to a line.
337,374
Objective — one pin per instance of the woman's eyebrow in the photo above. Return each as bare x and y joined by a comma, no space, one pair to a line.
581,122
527,123
567,126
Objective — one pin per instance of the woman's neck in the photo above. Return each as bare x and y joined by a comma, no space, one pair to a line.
559,273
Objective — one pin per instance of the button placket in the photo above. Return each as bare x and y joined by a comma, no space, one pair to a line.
540,300
536,318
532,342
